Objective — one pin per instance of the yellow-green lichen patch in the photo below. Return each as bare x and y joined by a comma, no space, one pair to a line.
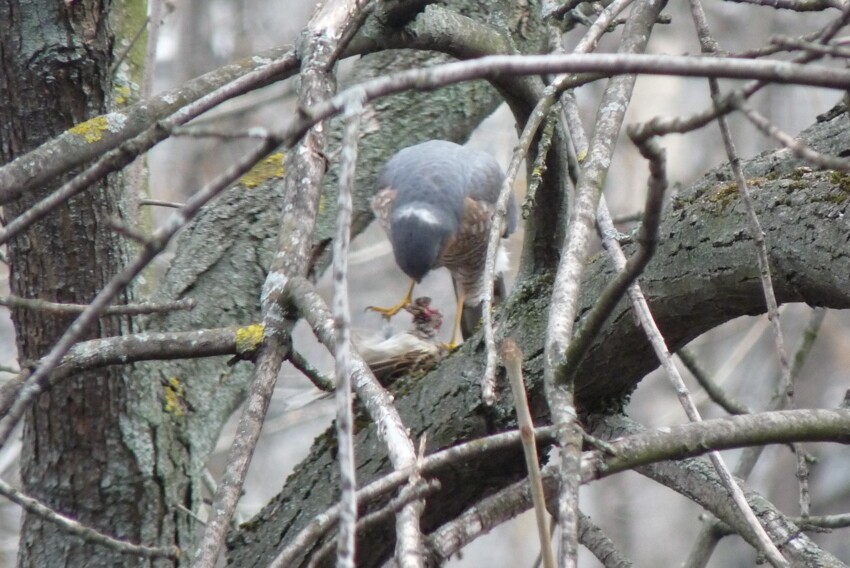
92,130
175,397
724,195
840,180
271,167
248,338
122,94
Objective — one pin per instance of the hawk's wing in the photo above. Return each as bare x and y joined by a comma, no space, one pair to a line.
484,182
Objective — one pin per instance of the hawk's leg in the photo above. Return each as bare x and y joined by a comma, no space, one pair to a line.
390,312
452,344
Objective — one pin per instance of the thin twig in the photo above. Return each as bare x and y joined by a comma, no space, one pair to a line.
69,525
488,379
824,161
160,203
647,241
773,317
714,390
571,117
320,381
805,44
795,5
659,345
132,233
660,126
709,536
342,348
222,133
512,357
129,47
119,310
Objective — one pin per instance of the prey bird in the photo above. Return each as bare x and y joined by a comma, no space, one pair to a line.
413,351
436,202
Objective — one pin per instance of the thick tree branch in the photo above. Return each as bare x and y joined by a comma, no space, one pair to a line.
704,267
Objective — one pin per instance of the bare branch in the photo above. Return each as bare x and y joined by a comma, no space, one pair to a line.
715,391
711,494
160,203
698,438
140,347
342,347
120,310
71,526
318,379
820,160
512,357
796,5
135,123
597,542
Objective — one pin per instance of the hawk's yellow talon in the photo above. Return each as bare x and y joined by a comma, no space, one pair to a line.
390,312
387,313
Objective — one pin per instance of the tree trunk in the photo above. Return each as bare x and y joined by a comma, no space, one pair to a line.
78,456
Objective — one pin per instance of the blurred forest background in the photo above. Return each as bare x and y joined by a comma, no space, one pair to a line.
200,35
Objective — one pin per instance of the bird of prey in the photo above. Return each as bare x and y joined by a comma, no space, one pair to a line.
416,350
436,201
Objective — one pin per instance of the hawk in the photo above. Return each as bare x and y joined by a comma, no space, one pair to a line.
436,202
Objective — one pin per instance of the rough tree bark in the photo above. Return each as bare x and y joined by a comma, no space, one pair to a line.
78,455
